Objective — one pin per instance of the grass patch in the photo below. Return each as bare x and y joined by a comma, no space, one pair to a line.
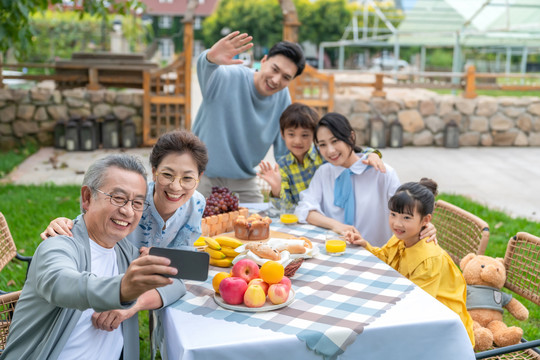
10,159
29,209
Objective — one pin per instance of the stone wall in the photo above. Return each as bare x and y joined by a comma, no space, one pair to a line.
30,115
484,121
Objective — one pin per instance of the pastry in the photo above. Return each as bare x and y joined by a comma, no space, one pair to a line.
254,227
263,251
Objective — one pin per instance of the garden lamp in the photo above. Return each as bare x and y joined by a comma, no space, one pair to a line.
72,134
60,134
451,135
88,136
129,139
396,134
377,133
109,132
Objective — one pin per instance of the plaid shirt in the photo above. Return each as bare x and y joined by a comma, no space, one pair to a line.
295,177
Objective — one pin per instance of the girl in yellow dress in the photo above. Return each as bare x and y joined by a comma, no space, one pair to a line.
424,263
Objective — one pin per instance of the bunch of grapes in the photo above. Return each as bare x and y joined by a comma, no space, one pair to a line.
221,200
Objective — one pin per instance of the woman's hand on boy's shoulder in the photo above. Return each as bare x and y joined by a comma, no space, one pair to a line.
374,160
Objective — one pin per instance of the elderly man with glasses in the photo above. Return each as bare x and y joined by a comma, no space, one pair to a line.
83,290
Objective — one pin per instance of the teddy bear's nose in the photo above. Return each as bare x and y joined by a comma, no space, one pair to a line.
482,266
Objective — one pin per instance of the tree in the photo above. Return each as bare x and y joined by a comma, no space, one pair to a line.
260,18
16,30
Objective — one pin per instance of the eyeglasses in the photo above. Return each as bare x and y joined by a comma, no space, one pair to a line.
120,201
187,182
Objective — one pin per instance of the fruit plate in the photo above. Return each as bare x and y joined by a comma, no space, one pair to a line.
266,307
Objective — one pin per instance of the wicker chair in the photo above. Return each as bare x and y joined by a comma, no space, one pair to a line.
522,263
458,231
8,250
7,306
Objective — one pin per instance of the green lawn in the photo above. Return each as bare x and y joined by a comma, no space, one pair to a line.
29,209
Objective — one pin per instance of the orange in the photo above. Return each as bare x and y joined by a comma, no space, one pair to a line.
217,280
272,272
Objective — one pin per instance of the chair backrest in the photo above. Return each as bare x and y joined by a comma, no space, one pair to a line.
522,262
7,306
458,231
8,249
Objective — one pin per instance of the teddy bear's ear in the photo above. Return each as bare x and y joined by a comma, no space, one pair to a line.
501,260
466,260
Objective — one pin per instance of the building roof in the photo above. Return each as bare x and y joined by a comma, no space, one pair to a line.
479,23
178,7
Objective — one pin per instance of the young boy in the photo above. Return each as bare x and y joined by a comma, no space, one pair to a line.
293,171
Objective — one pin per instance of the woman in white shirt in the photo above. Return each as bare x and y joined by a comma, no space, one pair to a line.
345,194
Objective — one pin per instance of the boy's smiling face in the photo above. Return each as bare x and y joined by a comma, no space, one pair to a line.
298,141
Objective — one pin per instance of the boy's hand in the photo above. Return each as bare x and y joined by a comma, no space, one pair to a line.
271,175
355,238
375,161
224,51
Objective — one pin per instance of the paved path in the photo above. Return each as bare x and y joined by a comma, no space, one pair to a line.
506,179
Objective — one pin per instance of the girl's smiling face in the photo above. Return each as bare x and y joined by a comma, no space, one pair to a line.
335,151
407,227
171,195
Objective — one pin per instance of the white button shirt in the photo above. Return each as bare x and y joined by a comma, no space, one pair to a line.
372,190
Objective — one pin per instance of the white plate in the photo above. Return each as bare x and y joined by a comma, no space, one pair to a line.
266,307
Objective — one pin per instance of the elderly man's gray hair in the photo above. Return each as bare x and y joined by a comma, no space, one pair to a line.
95,175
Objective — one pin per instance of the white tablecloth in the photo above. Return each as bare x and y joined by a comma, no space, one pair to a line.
416,327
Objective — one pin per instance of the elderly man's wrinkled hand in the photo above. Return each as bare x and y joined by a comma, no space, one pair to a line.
143,274
111,320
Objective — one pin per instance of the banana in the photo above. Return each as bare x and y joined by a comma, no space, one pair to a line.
216,254
230,252
221,263
212,243
200,242
228,241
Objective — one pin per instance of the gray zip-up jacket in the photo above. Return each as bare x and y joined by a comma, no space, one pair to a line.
60,286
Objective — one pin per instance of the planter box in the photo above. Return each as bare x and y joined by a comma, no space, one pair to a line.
222,223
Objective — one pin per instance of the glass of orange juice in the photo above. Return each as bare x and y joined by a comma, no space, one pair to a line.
334,244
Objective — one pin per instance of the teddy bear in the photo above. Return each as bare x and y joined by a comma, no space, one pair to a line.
485,276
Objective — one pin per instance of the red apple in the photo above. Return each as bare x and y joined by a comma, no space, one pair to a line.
286,281
277,293
261,283
232,291
254,296
246,269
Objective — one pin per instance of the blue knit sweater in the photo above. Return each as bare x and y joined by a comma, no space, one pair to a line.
237,124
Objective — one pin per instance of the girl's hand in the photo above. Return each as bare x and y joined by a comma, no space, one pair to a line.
355,238
343,229
430,231
59,226
375,161
271,175
224,51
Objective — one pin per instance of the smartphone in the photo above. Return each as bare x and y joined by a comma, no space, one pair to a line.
191,265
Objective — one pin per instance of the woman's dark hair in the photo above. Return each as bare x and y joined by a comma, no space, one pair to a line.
299,115
180,142
414,195
340,127
291,51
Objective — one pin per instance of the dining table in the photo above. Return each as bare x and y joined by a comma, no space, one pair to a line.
352,306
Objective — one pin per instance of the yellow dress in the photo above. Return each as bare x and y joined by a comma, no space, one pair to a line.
430,267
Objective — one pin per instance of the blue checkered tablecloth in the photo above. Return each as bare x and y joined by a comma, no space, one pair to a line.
336,297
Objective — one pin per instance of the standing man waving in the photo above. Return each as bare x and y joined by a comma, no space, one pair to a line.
239,116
